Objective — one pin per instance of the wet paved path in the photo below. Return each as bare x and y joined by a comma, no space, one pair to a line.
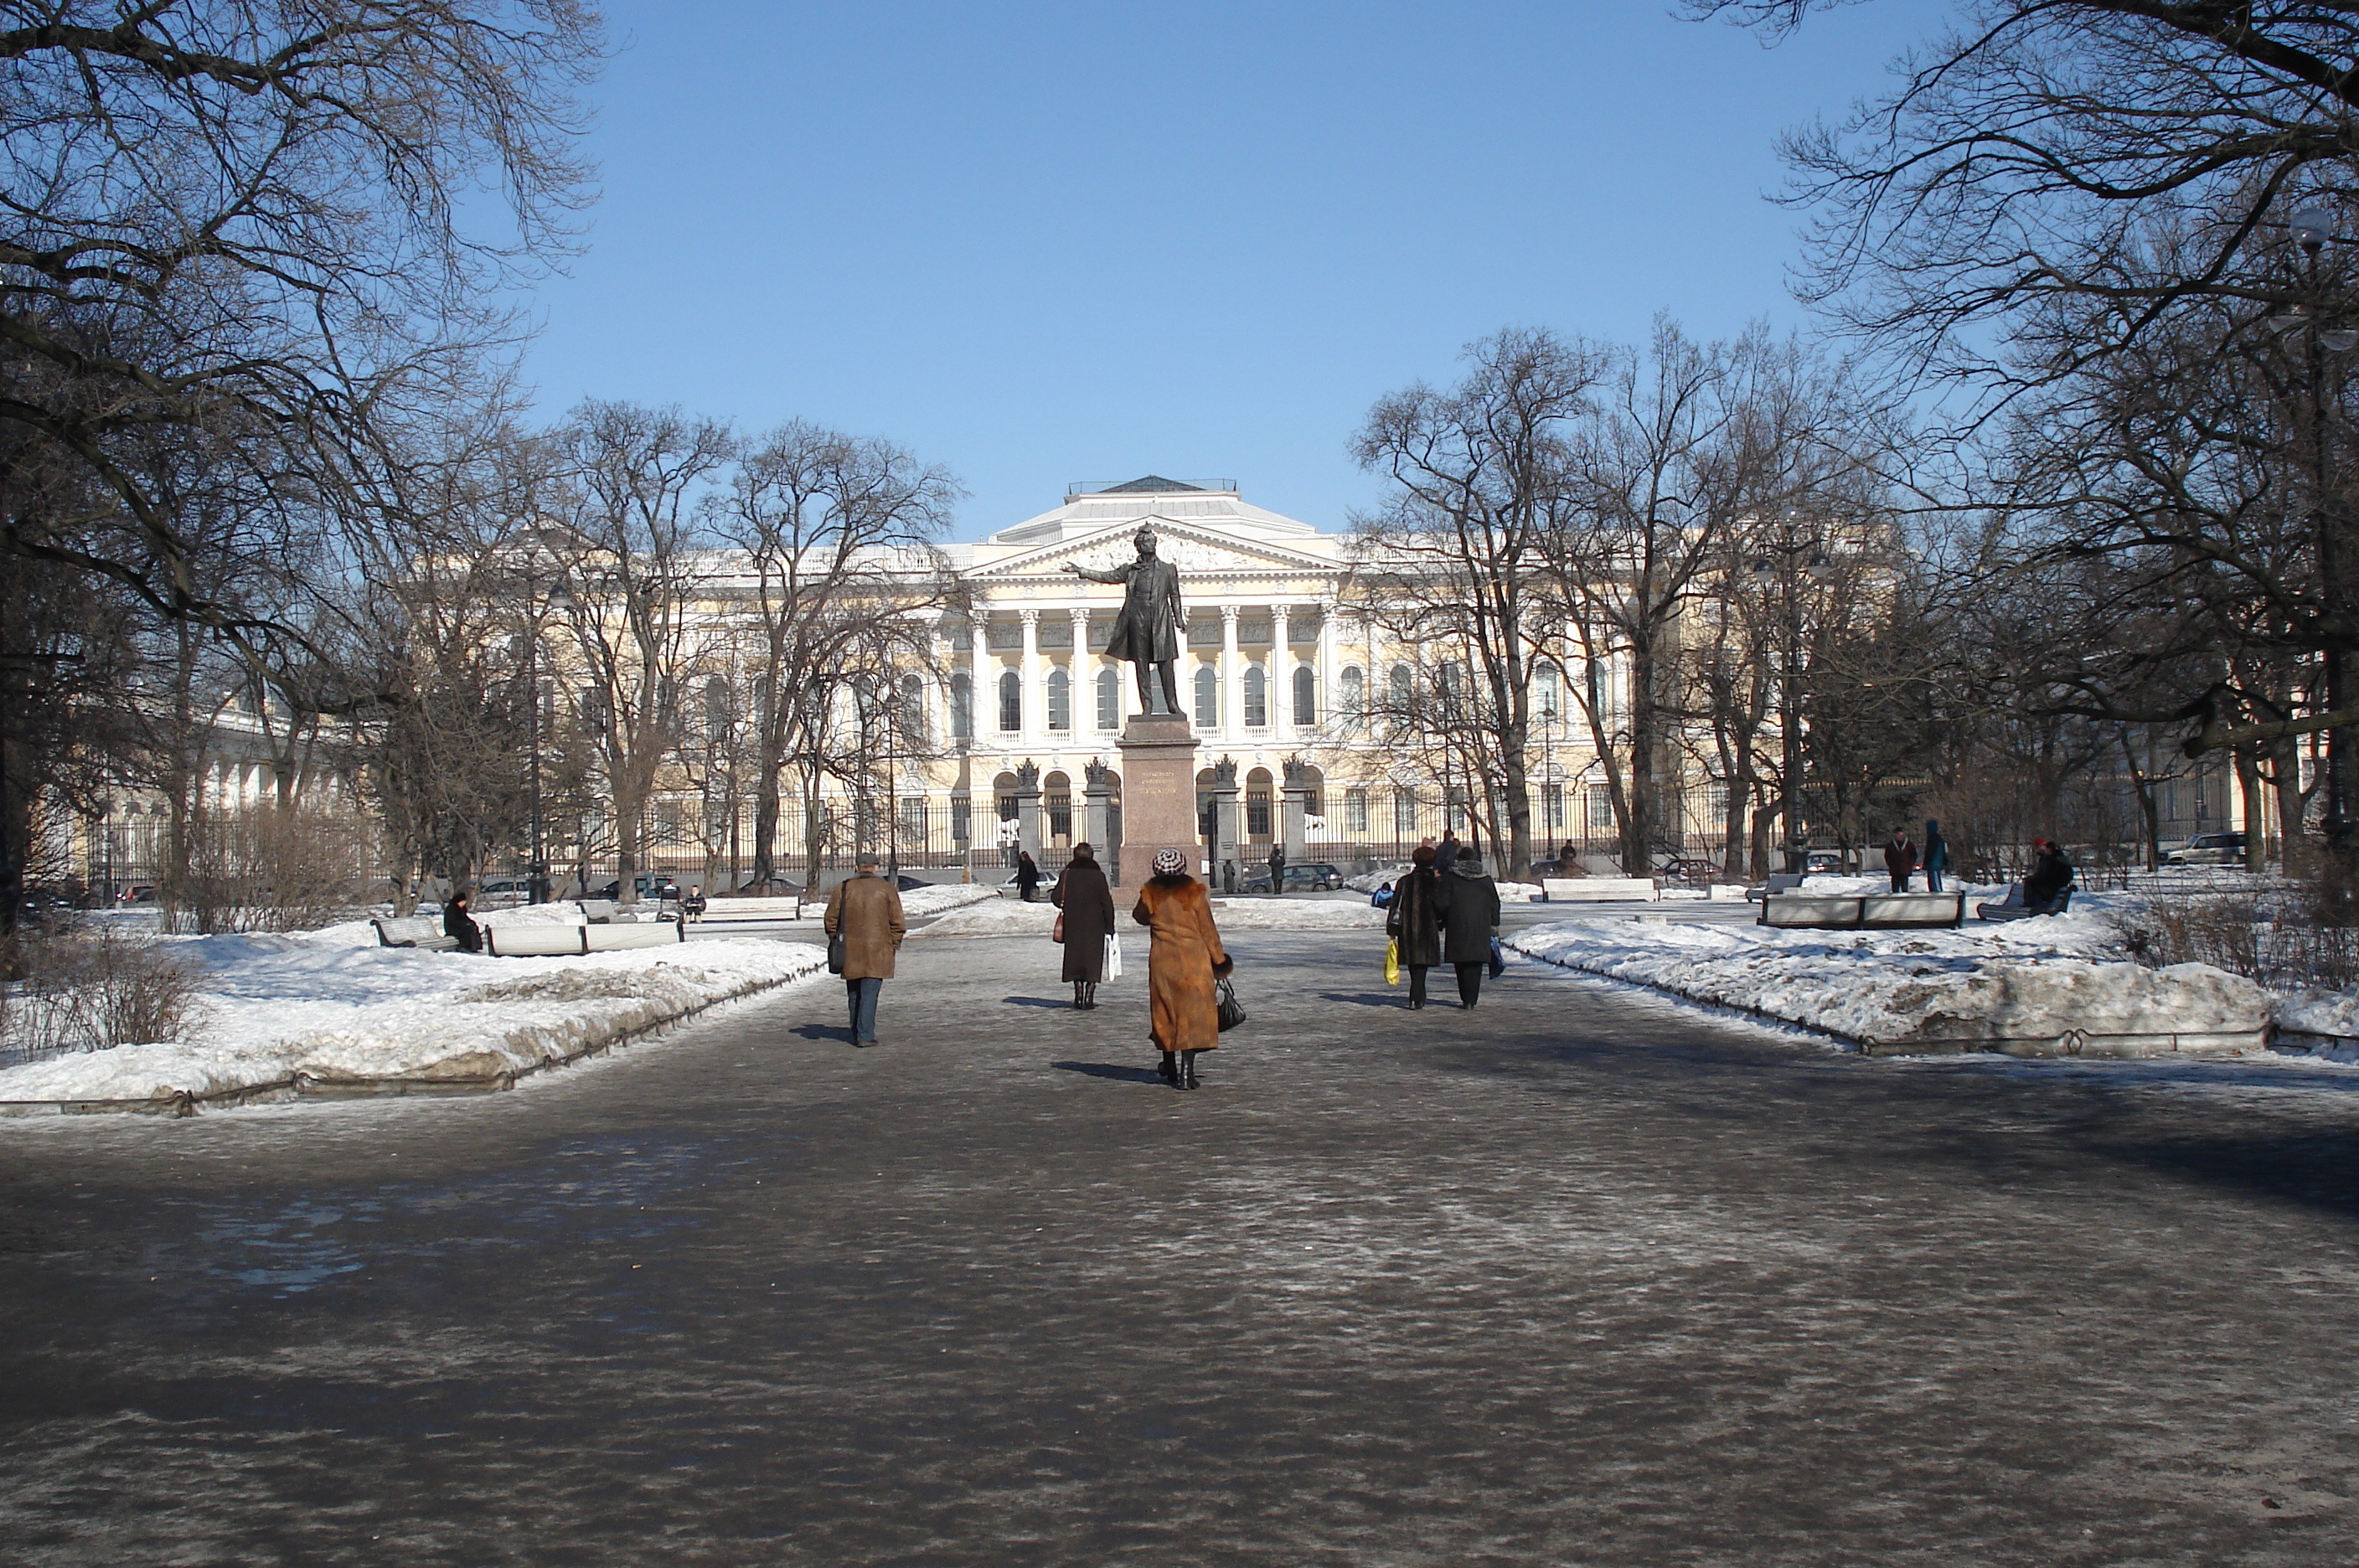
1580,1278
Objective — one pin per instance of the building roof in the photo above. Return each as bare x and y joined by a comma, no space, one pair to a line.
1154,484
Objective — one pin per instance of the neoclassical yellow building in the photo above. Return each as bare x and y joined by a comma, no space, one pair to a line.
1272,674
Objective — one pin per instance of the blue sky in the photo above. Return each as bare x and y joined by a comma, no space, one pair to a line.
1041,243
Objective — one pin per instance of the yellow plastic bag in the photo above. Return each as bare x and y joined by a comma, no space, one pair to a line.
1392,962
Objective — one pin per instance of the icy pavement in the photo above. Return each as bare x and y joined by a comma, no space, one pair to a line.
1579,1277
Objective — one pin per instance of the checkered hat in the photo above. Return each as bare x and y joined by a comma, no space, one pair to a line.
1170,863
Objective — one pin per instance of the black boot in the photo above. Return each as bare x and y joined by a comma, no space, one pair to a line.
1089,993
1169,1071
1081,998
1187,1070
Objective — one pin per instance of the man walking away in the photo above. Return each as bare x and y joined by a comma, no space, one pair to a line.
1937,856
1277,867
1469,905
865,910
1900,860
1445,854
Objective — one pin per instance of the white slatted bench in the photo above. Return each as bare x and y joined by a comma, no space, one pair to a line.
1598,889
556,941
750,911
414,930
1869,911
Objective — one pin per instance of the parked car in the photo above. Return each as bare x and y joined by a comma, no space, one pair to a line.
1689,871
1369,881
906,882
2209,849
650,884
1823,860
1310,877
137,893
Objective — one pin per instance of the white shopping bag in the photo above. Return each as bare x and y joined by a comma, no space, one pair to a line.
1114,958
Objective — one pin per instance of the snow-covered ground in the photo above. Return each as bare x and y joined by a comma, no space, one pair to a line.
332,1006
2050,984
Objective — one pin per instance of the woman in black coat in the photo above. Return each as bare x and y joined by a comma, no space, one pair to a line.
1413,920
1470,919
459,925
1088,905
1027,876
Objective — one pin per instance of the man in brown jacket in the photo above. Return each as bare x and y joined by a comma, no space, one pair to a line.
867,912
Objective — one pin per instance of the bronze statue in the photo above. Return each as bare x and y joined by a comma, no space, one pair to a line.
1152,619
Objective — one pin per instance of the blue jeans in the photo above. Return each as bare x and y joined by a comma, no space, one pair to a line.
1932,878
862,994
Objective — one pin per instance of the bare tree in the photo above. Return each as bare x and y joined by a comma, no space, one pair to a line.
634,480
1689,444
835,555
1453,561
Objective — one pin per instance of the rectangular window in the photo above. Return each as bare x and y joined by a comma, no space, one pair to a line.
1257,814
912,809
1404,815
1061,814
1355,812
1601,809
1715,801
1552,806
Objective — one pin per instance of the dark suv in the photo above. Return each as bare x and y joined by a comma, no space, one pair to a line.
1310,877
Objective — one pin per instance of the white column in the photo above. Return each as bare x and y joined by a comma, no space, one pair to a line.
1232,675
1084,732
1281,673
1036,693
1323,660
982,702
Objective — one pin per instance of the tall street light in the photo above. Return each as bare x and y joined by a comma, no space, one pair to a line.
1796,556
2312,227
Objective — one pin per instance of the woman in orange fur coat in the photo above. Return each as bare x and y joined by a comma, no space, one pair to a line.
1183,960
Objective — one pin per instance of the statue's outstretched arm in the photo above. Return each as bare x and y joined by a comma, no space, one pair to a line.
1119,574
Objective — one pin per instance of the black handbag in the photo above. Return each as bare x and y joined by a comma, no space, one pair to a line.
835,953
1233,1012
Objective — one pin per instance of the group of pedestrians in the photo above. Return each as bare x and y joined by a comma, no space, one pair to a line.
1185,963
1438,916
1902,858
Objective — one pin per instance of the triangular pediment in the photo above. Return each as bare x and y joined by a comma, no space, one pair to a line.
1197,550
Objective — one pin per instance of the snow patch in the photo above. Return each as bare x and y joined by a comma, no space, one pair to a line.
1937,990
322,1007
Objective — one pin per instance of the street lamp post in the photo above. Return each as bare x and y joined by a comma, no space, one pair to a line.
2312,227
1781,571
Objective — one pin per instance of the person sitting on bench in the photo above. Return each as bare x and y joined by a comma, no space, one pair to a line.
2049,879
691,909
459,925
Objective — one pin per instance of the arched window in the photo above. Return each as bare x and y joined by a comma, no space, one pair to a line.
1548,695
1109,699
1060,699
1011,701
962,707
716,710
1306,695
1404,696
1257,793
913,711
1355,697
593,709
1256,697
1208,698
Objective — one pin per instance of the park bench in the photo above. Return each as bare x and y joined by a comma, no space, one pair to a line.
2013,907
750,911
553,940
1779,882
1597,889
1858,911
414,930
